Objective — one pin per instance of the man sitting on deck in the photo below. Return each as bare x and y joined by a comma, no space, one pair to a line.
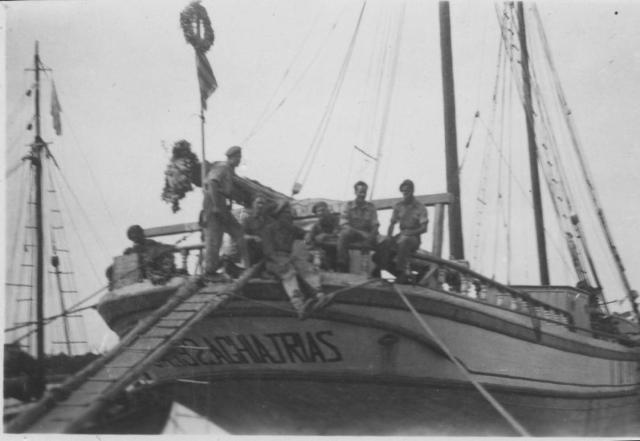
156,259
254,225
359,225
323,235
289,262
412,218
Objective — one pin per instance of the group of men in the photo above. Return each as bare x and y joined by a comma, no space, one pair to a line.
269,233
358,227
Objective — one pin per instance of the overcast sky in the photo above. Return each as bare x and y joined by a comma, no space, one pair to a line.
127,85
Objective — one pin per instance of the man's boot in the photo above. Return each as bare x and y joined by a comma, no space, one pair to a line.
300,304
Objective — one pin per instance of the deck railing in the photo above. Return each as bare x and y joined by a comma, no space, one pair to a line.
456,278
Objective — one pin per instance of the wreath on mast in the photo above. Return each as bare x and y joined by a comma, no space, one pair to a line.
196,27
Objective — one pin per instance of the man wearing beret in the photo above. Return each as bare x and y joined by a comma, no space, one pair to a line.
411,216
217,211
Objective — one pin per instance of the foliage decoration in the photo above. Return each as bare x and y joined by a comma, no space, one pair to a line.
183,171
196,27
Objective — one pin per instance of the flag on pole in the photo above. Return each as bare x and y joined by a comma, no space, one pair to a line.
55,110
207,81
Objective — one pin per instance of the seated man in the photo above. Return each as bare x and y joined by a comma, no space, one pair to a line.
156,259
358,225
412,218
323,235
289,264
253,225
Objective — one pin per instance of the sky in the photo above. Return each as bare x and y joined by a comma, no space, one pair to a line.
126,81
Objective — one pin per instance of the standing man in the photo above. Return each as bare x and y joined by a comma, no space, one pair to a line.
412,218
358,224
217,212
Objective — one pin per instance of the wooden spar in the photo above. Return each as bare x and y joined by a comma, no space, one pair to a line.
36,162
203,167
380,204
456,245
533,155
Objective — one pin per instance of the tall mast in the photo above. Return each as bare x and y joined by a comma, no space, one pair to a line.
36,162
533,155
456,245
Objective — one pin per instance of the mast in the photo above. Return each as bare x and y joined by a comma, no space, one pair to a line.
456,245
533,155
36,162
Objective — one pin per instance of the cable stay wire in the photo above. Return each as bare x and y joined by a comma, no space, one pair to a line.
14,168
367,119
58,234
75,145
269,113
587,176
484,169
82,242
369,110
318,137
461,367
555,175
382,136
267,108
498,195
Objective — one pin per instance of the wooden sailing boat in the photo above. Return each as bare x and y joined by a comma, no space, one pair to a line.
454,353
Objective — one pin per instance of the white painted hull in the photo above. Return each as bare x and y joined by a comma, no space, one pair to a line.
365,366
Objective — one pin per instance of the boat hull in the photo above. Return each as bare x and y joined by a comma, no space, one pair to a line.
365,366
353,406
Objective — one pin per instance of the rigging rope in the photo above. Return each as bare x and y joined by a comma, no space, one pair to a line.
496,405
387,106
584,167
82,155
267,112
508,41
321,129
102,246
484,170
468,143
57,235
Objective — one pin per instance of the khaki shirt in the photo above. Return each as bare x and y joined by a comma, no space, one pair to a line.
363,216
410,215
223,174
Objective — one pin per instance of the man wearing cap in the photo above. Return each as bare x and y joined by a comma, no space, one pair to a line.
218,218
411,216
324,234
358,224
289,262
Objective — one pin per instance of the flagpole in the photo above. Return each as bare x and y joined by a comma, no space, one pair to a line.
198,32
203,170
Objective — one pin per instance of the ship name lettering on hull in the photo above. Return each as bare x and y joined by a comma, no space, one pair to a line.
273,348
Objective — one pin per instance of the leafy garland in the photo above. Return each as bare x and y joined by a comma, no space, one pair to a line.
190,17
183,171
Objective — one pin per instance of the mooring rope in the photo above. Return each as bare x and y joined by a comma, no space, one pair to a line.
501,410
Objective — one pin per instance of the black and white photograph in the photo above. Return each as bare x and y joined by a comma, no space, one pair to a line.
321,218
